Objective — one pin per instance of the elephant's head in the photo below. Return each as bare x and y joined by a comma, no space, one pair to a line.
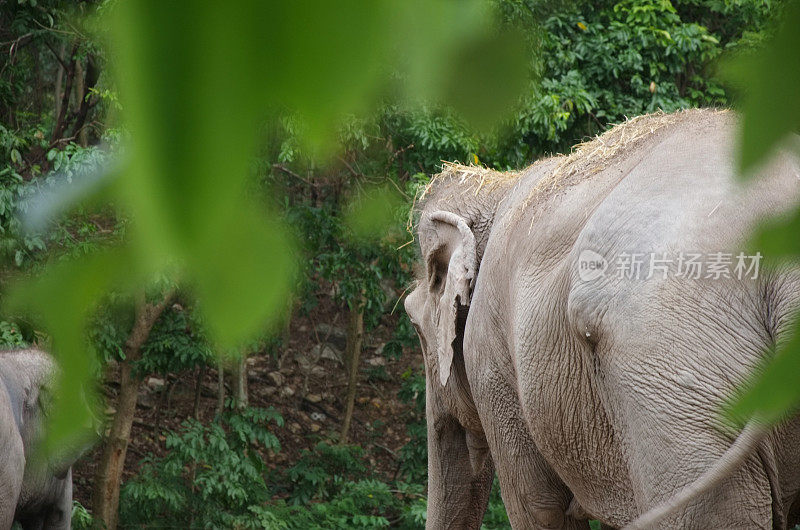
452,230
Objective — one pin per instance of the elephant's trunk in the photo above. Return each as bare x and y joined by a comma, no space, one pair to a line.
457,495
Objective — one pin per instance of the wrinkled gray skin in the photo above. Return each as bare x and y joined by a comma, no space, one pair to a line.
37,496
601,398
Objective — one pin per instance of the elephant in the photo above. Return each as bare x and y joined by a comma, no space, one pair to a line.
36,495
584,320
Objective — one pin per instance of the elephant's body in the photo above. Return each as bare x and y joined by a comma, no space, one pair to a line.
37,496
601,396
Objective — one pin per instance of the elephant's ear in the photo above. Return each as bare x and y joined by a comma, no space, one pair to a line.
451,277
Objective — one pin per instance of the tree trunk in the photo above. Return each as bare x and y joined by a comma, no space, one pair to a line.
59,80
61,117
163,406
198,387
37,68
80,95
220,387
240,382
105,501
88,82
286,330
355,336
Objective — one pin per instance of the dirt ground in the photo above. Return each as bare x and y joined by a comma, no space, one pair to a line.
301,380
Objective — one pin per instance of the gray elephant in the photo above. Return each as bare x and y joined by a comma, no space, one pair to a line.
36,496
584,320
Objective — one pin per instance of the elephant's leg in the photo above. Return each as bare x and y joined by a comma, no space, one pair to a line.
533,494
667,419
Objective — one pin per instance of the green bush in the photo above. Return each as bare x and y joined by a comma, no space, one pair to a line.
331,487
211,475
10,336
321,472
214,476
81,518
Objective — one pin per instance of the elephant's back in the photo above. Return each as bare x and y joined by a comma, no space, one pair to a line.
611,157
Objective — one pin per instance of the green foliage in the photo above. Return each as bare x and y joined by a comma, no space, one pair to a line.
436,134
356,504
10,336
18,197
601,63
81,518
175,343
403,335
110,330
13,244
332,488
414,454
354,266
319,473
496,517
592,64
366,215
769,78
211,476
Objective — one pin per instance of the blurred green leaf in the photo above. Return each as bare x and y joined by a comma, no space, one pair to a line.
778,238
195,82
770,79
474,73
773,392
370,215
245,280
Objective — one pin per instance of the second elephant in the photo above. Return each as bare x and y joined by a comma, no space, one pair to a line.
35,494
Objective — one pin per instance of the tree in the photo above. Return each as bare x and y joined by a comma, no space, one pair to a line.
355,337
105,500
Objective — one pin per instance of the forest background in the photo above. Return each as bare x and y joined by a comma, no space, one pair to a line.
316,418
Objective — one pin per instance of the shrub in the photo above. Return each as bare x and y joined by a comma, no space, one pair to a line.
211,476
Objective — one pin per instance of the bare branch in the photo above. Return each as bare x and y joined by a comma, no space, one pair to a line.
57,56
290,173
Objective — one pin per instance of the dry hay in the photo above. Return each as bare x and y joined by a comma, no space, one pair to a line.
592,157
586,159
471,177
